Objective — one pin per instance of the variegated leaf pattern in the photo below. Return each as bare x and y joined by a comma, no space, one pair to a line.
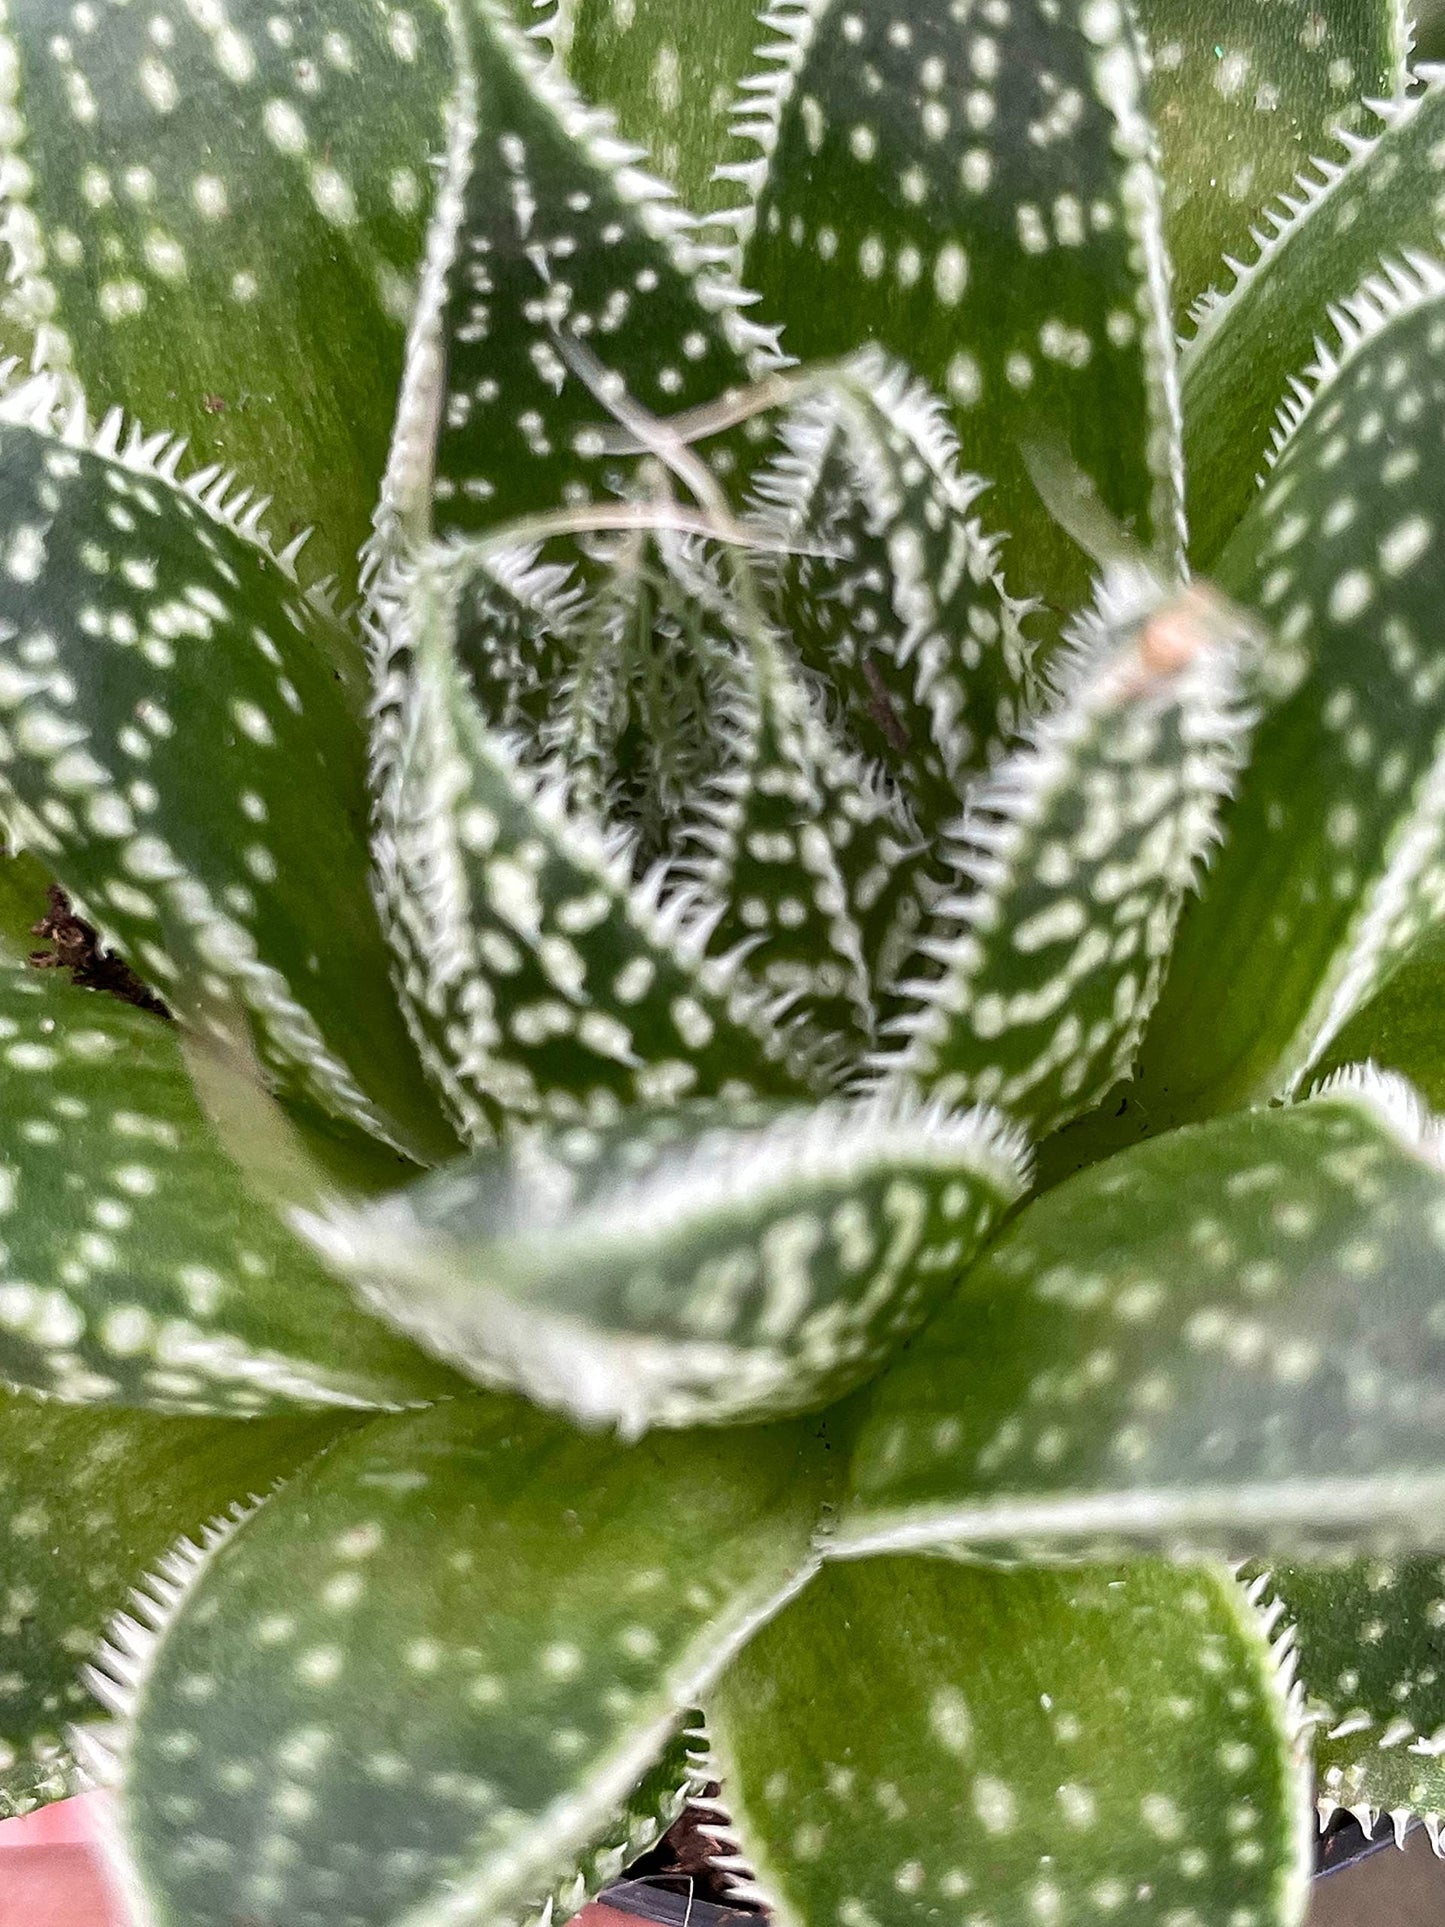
693,1266
1402,1027
554,1604
1229,1336
972,189
216,214
1332,862
912,1740
209,655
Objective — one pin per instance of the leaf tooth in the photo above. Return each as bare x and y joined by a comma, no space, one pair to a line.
1432,1829
91,1742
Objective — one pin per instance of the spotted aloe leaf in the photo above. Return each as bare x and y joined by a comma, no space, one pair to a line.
1381,192
973,191
1073,862
115,1489
1245,95
1333,860
166,171
691,1266
892,593
1402,1027
213,661
139,1270
554,1605
541,981
1368,1635
911,1739
548,228
1228,1336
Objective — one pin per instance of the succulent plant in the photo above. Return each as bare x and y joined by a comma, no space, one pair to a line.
761,1062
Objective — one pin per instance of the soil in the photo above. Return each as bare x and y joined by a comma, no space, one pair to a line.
77,948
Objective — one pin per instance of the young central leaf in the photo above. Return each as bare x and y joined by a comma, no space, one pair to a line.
697,1265
971,188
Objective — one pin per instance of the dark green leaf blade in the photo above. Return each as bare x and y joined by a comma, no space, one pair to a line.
912,1741
203,795
115,1489
698,1265
975,193
1402,1027
500,1625
1228,1337
218,216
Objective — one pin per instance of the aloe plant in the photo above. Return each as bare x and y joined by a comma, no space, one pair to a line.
768,1123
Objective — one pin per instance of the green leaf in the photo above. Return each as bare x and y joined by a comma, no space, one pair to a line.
1402,1027
1229,1336
975,193
89,1500
912,1741
138,1269
1333,860
1372,1668
499,1625
1380,194
516,623
183,748
1248,93
692,1266
1073,860
542,983
548,229
218,215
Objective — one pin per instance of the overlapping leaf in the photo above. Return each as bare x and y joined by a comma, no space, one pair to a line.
89,1500
691,1266
1332,863
1228,1336
912,1740
552,1603
217,214
1402,1027
973,190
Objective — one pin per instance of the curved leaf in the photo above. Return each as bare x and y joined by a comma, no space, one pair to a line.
975,192
182,747
686,1267
499,1627
1227,1337
1380,194
217,216
1402,1027
112,1489
912,1741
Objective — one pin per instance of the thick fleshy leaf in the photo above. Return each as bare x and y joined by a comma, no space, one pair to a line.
1371,1653
138,1269
1229,1336
182,747
1074,859
912,1741
1378,195
217,216
89,1500
691,1266
436,1663
548,229
540,980
1244,95
1402,1027
903,615
1334,855
974,191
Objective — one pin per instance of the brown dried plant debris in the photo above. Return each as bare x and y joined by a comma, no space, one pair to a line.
77,949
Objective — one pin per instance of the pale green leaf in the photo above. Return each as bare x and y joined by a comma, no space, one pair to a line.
438,1661
694,1265
182,746
217,215
1379,194
912,1741
1073,859
976,194
1245,94
1334,851
89,1501
1228,1336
